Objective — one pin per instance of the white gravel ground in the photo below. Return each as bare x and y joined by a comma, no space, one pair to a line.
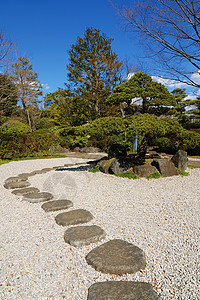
161,216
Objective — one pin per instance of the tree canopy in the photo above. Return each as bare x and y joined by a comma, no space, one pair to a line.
147,95
93,69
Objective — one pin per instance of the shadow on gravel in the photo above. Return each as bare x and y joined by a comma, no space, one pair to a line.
78,168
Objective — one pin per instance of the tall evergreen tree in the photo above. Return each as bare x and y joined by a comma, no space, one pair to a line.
28,87
94,69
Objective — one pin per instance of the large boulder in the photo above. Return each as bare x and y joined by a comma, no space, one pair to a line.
144,170
165,167
180,160
104,165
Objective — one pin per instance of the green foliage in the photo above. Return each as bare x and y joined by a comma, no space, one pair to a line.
183,173
14,128
141,91
128,174
94,170
8,96
29,144
93,69
193,167
154,175
78,141
29,88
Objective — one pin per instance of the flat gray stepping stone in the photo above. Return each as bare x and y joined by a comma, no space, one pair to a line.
117,257
37,197
57,205
46,170
16,179
121,290
36,172
84,235
77,216
25,191
16,185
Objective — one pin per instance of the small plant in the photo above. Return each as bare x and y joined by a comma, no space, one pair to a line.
94,170
183,173
155,175
128,174
193,167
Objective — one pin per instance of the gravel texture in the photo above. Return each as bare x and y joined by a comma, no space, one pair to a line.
161,216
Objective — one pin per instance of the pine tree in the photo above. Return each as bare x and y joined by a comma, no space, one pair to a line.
146,95
94,69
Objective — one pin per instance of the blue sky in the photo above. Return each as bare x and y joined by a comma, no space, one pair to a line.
44,31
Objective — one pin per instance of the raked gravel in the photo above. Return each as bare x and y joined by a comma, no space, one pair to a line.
161,216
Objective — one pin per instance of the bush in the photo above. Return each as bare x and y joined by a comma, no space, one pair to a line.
154,175
14,128
30,144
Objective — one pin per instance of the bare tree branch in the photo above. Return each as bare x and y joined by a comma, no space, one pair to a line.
171,31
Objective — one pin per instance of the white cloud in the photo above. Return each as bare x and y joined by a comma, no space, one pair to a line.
45,86
169,82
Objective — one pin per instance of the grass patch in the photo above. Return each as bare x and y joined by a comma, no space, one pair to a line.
5,161
128,174
193,167
182,173
94,170
155,175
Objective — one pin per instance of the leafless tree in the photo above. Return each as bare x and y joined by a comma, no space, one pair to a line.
171,31
7,52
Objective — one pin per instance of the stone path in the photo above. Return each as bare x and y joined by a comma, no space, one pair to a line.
114,257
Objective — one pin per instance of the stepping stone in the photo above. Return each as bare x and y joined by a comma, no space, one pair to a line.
74,217
25,191
121,290
37,197
84,235
24,174
46,170
36,172
117,257
16,179
16,185
57,205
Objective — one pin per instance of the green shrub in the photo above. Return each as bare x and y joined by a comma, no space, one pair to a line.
30,144
183,173
94,170
155,175
14,128
128,174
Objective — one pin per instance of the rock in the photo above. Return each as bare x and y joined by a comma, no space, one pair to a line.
16,185
74,217
120,165
180,160
76,149
144,170
25,191
117,257
115,167
36,172
121,290
90,150
165,167
46,170
56,205
104,165
37,197
117,150
62,149
16,179
84,235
